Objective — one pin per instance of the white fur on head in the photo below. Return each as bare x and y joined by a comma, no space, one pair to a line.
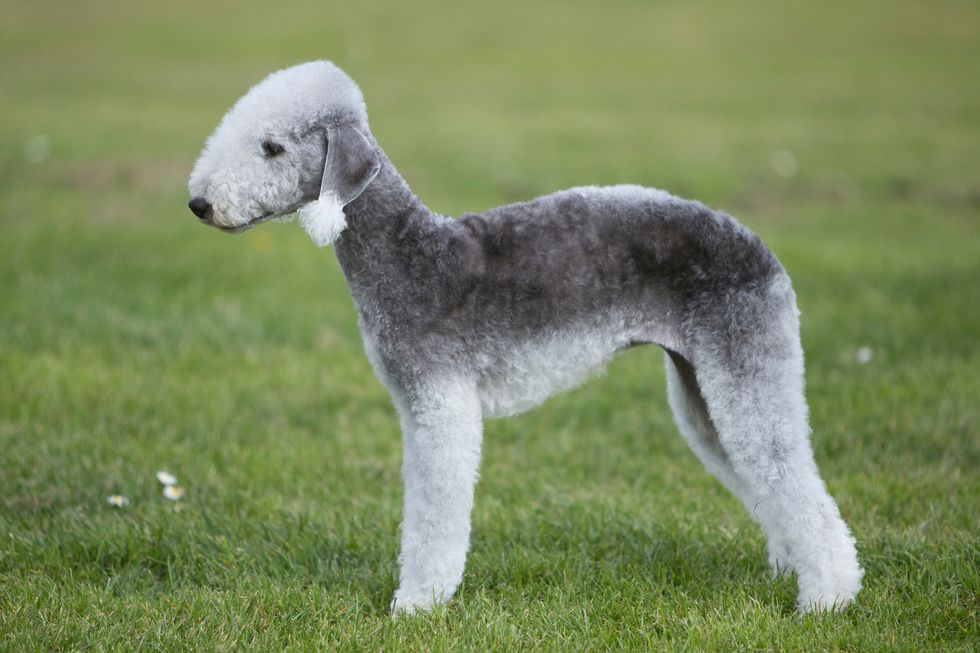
233,173
323,219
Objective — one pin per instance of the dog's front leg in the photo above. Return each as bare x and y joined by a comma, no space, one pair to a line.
443,433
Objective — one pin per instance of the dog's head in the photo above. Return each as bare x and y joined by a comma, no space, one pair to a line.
298,140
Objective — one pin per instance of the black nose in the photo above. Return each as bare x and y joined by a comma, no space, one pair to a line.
200,207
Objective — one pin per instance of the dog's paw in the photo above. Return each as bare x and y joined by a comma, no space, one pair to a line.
824,602
833,594
409,603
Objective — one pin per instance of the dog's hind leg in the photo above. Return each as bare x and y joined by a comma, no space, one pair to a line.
748,363
443,429
694,423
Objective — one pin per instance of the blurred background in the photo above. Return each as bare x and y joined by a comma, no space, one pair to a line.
131,338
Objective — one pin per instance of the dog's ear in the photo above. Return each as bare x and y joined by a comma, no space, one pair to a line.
351,164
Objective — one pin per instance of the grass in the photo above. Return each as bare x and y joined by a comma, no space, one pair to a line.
133,340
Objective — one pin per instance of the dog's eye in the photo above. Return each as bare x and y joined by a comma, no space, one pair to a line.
271,149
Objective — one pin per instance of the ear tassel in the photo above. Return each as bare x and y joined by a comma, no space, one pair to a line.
323,219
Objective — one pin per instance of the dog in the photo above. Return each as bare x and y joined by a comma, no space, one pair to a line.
490,314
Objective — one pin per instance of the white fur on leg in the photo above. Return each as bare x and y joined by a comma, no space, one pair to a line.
442,456
323,219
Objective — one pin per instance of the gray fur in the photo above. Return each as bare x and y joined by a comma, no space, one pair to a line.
491,313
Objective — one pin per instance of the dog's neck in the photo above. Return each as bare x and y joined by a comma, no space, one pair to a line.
385,202
385,224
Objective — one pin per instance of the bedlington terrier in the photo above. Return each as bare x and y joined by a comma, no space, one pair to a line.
490,314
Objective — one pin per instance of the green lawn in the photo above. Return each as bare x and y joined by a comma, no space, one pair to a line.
132,339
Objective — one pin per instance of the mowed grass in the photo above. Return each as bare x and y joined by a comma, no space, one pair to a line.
132,339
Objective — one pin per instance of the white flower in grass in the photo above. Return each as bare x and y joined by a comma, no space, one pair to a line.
863,355
174,492
117,501
166,478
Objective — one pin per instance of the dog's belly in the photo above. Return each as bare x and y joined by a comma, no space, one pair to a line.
530,372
